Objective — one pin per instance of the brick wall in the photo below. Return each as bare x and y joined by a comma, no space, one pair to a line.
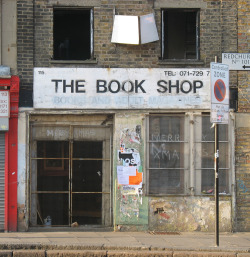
25,50
242,149
35,36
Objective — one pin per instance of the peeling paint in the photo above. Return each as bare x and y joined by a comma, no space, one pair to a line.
187,214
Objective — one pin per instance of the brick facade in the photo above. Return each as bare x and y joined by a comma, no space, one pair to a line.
219,33
242,148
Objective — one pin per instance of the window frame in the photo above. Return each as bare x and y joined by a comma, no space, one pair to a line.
184,148
192,173
197,36
91,32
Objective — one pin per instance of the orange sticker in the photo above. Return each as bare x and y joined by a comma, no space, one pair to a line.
135,180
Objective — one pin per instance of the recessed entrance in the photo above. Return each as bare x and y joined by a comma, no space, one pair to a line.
87,183
70,179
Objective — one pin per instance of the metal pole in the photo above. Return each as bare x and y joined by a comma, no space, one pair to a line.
216,183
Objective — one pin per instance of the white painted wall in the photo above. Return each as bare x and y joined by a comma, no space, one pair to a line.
22,187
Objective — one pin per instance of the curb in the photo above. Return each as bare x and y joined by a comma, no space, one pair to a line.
116,253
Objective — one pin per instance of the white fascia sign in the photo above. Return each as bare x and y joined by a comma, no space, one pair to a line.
120,88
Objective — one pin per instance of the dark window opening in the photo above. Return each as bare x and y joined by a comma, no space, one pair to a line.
63,191
180,34
233,98
53,182
87,182
72,34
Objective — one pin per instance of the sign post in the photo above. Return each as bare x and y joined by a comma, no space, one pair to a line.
219,115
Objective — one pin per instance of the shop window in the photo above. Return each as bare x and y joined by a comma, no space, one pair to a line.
180,34
72,34
180,151
166,154
205,153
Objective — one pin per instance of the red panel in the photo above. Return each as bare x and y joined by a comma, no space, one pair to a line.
6,189
11,154
12,176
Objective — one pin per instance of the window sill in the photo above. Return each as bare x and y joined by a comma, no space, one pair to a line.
90,61
180,62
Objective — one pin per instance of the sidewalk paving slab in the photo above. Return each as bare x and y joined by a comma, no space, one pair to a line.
233,243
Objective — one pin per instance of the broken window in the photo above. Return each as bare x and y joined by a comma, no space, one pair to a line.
180,34
72,34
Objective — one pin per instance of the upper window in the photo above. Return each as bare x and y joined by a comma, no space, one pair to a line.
180,150
180,34
72,34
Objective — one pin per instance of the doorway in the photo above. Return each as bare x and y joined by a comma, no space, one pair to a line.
70,176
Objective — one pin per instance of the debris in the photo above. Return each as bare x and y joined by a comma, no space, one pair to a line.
74,224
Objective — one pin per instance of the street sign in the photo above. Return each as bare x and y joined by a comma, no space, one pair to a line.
219,93
237,61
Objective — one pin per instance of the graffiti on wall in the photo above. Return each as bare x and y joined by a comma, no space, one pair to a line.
242,186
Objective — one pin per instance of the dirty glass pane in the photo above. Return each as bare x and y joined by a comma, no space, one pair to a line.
166,150
208,181
166,182
208,130
205,156
50,133
165,155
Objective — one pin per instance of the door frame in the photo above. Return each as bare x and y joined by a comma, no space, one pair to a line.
107,221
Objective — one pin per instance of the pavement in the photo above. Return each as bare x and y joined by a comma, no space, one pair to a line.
109,243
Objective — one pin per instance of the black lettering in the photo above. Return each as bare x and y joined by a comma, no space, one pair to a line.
196,86
182,86
139,86
71,86
164,88
56,83
128,82
79,85
177,86
101,84
118,86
